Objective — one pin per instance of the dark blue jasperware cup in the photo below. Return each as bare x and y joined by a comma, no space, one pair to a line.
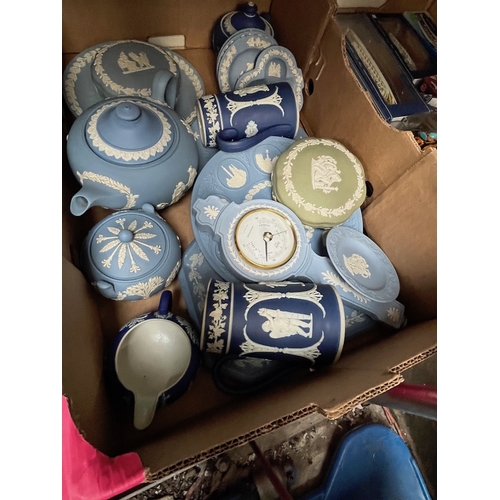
237,120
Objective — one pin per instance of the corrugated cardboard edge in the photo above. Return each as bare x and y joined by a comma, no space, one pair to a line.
332,414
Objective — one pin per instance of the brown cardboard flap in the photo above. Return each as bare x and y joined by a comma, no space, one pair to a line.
89,22
392,6
391,353
293,17
82,360
403,222
337,108
243,419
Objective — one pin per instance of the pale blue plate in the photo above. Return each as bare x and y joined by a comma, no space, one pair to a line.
362,264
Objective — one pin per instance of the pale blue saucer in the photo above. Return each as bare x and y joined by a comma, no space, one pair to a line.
362,264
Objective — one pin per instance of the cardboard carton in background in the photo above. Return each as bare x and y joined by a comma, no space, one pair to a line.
400,217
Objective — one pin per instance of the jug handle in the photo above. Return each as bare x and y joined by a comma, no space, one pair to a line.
220,383
164,87
227,139
165,303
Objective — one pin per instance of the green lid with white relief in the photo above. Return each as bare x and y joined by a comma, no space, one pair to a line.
320,180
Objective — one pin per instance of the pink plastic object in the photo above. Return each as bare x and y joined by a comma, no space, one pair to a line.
416,399
89,474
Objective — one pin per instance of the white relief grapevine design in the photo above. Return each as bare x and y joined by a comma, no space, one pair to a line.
196,279
215,342
121,249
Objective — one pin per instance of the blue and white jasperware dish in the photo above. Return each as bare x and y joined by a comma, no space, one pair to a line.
273,65
153,361
132,68
238,55
129,151
237,20
131,254
362,264
235,121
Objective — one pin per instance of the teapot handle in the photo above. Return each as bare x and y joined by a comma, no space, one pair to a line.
164,87
165,303
227,139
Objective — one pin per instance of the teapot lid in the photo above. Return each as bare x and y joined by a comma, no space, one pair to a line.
130,131
320,180
131,244
245,18
127,68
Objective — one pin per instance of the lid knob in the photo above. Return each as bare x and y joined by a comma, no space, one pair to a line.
250,9
128,111
126,236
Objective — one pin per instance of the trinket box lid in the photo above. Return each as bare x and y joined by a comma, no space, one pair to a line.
127,67
320,180
130,245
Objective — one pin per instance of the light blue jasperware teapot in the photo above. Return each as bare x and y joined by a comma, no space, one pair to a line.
127,151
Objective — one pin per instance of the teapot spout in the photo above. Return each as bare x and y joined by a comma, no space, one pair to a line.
96,196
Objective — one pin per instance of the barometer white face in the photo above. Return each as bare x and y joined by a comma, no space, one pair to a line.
265,238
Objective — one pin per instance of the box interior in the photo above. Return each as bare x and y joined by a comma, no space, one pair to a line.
400,217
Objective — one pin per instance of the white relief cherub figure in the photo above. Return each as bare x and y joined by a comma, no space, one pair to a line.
280,324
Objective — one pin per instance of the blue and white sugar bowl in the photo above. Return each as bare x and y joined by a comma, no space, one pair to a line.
230,23
127,151
131,254
153,361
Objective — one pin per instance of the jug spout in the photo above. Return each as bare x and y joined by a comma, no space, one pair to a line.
144,410
96,196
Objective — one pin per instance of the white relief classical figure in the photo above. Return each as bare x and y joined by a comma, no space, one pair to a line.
141,59
356,264
280,324
274,70
325,173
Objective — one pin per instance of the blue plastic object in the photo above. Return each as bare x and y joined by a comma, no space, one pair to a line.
372,463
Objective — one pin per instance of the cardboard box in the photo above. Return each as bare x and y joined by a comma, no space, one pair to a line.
400,217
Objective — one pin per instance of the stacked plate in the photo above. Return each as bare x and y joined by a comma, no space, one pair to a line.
127,68
252,57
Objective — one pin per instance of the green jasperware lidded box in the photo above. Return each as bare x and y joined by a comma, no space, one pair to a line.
320,180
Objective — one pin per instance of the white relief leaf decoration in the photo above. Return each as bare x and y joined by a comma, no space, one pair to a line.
144,236
110,245
121,256
138,250
211,212
114,230
132,225
143,290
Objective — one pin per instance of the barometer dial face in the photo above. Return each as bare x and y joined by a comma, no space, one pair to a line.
265,238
